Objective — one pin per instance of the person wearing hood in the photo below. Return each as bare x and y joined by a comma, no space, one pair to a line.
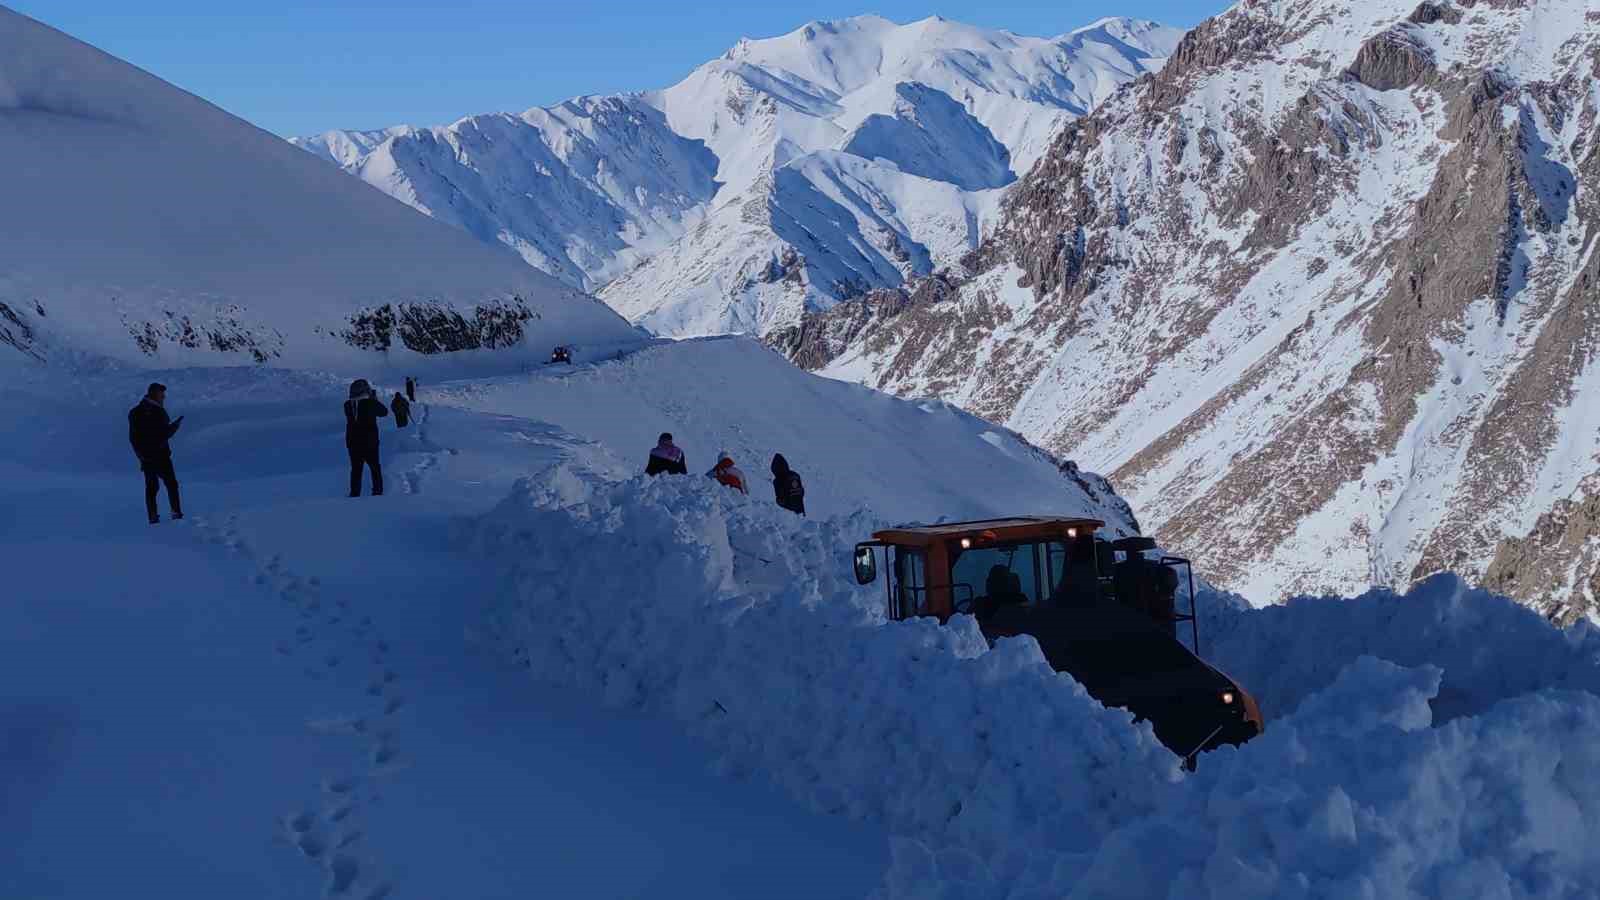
150,431
727,473
411,389
666,458
787,487
402,410
361,414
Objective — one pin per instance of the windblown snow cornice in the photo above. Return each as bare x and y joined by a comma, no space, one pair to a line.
1321,294
786,175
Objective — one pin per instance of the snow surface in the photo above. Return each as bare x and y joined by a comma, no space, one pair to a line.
130,203
293,690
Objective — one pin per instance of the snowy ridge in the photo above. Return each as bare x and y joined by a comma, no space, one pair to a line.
1315,296
145,226
700,208
584,190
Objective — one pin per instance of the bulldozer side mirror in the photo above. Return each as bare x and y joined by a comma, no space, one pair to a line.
866,565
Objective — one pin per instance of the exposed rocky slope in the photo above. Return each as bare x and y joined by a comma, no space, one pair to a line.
1322,294
786,175
142,225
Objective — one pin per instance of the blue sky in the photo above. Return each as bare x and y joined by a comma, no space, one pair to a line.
304,66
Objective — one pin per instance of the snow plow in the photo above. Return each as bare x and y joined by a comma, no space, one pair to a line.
1105,612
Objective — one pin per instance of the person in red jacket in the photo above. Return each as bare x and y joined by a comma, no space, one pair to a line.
728,473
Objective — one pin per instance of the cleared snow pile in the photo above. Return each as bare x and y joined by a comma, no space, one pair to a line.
1489,648
740,619
1005,779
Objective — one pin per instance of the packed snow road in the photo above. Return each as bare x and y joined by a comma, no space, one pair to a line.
280,695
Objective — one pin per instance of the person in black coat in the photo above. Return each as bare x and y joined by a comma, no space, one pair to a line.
411,389
402,410
361,414
787,487
149,431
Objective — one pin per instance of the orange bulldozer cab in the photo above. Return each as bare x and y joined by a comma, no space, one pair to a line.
1104,611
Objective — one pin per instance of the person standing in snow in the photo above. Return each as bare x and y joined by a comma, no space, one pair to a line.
361,414
411,389
728,473
787,487
666,458
149,431
402,410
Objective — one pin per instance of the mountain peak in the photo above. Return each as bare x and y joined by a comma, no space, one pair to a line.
847,115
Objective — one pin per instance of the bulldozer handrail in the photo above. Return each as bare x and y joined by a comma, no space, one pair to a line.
1194,613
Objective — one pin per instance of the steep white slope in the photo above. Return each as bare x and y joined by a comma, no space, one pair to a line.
828,224
584,190
142,224
930,135
1020,88
669,199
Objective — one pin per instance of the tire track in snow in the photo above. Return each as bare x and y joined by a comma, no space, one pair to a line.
323,640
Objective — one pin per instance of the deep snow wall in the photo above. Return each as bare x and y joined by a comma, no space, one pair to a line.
1004,778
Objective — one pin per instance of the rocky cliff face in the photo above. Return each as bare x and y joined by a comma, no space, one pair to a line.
1322,293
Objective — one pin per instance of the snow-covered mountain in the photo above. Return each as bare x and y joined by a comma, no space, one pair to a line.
789,174
142,224
1321,296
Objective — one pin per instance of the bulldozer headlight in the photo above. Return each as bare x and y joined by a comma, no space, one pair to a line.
1229,698
966,543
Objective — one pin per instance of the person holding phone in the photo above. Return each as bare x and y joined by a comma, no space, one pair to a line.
150,431
361,414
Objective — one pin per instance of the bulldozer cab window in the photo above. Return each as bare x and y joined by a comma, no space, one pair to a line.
999,576
1074,578
910,588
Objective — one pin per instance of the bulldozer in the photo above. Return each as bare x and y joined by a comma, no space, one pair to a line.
1104,611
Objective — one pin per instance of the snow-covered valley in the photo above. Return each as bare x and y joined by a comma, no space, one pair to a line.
528,669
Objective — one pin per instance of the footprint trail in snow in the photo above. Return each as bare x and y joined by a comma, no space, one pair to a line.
327,635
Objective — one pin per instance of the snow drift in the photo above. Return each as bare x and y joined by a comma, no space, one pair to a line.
145,225
1003,778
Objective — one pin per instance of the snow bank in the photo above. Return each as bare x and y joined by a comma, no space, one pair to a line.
742,620
1002,777
1488,648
